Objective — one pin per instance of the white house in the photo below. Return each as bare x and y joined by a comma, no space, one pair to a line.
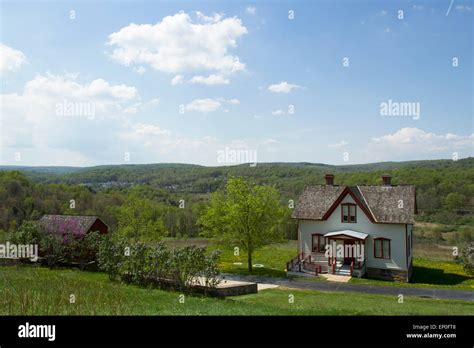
356,230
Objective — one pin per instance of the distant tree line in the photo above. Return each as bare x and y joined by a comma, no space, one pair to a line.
149,201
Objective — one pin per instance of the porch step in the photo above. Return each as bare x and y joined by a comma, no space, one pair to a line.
318,258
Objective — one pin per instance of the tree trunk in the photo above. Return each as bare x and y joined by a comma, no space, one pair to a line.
249,258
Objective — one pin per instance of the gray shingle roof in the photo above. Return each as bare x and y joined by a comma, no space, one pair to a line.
386,204
315,201
391,204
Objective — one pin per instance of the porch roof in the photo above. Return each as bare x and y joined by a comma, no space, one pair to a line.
348,233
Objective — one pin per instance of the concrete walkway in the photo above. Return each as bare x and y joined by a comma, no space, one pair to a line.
466,295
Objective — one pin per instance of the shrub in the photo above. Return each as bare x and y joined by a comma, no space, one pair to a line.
110,257
27,233
467,258
466,233
52,247
158,265
135,266
82,250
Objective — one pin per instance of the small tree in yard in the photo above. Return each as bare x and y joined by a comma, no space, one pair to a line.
245,215
467,258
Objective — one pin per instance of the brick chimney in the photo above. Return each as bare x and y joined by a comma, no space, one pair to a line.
386,180
329,179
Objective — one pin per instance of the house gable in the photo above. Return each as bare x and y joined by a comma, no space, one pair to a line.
381,204
337,205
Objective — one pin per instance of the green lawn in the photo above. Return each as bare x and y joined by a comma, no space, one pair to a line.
273,258
430,273
30,290
426,272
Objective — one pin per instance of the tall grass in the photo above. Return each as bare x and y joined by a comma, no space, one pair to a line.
38,291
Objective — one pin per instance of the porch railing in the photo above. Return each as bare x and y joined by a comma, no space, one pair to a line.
294,261
311,267
303,263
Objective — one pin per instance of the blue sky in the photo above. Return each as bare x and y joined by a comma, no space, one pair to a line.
183,81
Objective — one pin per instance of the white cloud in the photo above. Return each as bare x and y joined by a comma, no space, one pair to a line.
203,105
178,44
251,10
152,103
148,129
209,19
210,80
283,87
234,101
154,139
177,80
270,145
416,143
58,116
339,145
101,88
54,86
278,112
11,59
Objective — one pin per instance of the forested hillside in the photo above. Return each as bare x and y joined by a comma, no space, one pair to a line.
445,189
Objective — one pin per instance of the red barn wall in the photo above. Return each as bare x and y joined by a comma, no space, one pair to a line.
98,225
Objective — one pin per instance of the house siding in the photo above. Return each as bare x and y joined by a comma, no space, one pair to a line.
398,261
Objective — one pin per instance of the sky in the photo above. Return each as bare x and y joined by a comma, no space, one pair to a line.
220,83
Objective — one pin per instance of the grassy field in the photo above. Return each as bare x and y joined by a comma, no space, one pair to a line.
436,241
430,273
273,258
426,272
30,290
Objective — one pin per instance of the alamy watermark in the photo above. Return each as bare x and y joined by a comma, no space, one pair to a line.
80,109
237,156
355,251
19,251
403,109
37,331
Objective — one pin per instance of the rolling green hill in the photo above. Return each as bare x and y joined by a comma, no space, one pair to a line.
445,188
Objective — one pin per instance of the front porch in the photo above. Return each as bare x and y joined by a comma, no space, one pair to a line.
340,253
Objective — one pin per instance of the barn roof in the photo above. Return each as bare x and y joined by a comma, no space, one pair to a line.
65,224
384,204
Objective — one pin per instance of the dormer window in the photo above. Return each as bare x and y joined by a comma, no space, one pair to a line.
348,212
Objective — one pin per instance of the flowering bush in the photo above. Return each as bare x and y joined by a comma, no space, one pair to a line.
142,264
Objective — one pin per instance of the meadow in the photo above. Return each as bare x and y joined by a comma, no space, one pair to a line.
31,290
437,269
28,290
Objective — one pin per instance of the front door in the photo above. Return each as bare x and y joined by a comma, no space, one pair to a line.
348,251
